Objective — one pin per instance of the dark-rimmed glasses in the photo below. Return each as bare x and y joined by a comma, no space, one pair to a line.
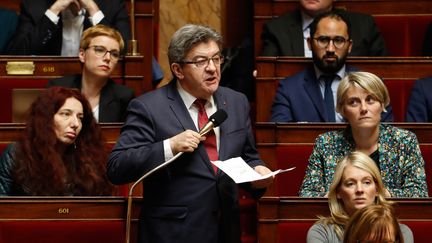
201,61
324,41
101,51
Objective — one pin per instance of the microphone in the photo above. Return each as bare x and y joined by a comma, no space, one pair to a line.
214,121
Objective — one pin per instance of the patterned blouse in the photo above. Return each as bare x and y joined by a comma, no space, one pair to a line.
400,162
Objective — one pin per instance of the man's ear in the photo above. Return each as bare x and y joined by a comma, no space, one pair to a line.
350,46
177,70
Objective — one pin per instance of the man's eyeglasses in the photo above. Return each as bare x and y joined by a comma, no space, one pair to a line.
101,51
324,41
205,61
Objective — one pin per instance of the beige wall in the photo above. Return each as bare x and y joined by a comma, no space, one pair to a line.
175,13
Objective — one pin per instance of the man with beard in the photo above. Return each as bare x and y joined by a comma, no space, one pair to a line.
287,35
310,95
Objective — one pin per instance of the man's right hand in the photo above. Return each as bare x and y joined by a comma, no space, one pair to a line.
186,141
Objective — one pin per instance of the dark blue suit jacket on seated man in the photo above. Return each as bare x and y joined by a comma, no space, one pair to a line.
420,102
299,99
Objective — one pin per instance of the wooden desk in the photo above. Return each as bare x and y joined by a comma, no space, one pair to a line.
265,10
49,67
38,70
10,132
268,133
284,145
93,209
273,69
146,18
275,211
66,208
279,7
65,219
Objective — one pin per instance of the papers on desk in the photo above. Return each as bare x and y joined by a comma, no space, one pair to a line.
240,172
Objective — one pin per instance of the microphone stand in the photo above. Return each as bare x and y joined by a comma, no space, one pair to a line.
208,127
133,43
129,203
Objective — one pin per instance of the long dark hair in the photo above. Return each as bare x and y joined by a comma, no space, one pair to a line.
40,169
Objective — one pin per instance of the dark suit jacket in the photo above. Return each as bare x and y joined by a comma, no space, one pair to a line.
427,43
185,201
283,36
38,35
9,21
114,98
420,102
299,99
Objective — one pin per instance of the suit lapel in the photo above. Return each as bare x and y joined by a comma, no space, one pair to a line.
222,103
183,117
296,33
106,97
178,108
312,88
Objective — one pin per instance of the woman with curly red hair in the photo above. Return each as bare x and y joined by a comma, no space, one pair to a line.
61,151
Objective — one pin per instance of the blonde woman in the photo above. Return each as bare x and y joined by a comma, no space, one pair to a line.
356,184
361,97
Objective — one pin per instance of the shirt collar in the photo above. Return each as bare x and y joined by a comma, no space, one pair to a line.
306,20
189,99
340,73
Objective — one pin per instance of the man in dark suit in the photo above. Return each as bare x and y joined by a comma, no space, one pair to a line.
305,97
99,52
54,27
187,201
287,34
420,102
427,42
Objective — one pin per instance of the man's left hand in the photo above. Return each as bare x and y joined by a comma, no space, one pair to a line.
262,170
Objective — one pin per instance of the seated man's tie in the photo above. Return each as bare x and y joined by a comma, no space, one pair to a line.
328,98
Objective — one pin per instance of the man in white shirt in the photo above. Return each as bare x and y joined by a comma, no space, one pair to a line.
48,27
287,35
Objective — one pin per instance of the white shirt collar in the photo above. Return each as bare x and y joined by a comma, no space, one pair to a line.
306,20
189,99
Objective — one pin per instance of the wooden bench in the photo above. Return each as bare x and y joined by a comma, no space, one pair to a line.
402,22
66,219
287,219
34,73
10,133
139,71
404,33
399,75
284,145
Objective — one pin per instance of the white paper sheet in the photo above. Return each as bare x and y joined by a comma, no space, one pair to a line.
240,172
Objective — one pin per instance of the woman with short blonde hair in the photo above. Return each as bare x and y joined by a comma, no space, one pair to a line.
361,98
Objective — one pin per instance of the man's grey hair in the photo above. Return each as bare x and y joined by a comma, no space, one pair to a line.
187,37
